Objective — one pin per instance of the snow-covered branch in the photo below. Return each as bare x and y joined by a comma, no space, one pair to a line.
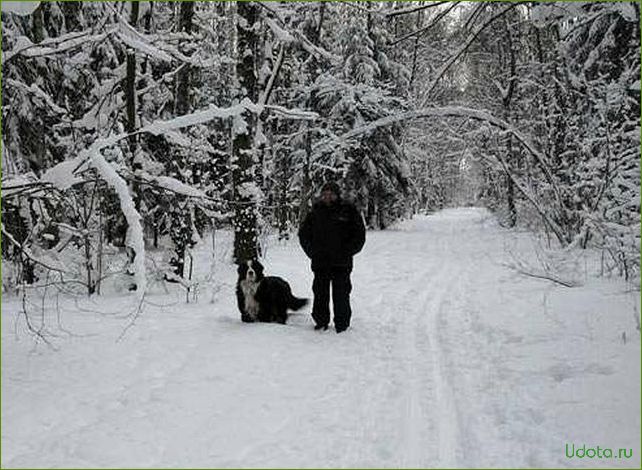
296,114
172,185
135,40
162,51
123,31
161,127
134,239
53,46
37,92
285,34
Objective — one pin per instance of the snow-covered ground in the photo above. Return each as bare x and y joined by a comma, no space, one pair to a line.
453,360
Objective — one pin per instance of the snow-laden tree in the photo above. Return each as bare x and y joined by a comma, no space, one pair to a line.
365,85
566,76
82,73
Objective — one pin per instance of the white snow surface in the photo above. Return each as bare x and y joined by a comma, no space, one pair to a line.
452,360
62,175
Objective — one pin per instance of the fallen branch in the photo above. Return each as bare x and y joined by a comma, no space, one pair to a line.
545,276
36,332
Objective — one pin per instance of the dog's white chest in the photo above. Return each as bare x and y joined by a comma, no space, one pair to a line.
251,305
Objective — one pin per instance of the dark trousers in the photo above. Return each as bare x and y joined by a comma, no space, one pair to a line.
339,277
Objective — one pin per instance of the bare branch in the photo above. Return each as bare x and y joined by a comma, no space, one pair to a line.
425,28
265,96
406,11
444,68
36,332
27,252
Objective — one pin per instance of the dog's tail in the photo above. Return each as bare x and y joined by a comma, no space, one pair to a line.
294,303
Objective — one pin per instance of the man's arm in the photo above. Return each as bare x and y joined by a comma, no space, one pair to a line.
358,238
305,235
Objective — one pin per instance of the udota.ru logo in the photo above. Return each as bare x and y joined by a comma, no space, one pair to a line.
597,452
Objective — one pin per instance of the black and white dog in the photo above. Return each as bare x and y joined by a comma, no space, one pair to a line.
262,298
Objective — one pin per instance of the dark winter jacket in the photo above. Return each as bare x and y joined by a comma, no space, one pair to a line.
332,235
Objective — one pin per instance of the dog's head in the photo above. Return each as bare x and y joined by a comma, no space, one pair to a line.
250,270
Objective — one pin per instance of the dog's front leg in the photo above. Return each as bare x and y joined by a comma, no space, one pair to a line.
247,318
264,314
246,315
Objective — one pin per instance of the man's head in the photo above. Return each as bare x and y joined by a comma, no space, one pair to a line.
330,193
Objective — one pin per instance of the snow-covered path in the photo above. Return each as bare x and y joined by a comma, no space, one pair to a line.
452,360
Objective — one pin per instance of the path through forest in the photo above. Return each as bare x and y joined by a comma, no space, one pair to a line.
453,360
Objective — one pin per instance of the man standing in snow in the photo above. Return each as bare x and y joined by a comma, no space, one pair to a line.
331,234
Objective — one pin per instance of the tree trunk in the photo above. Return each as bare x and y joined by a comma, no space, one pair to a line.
147,23
506,101
415,49
130,84
130,104
130,121
282,210
306,184
510,197
243,164
186,14
99,256
37,25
